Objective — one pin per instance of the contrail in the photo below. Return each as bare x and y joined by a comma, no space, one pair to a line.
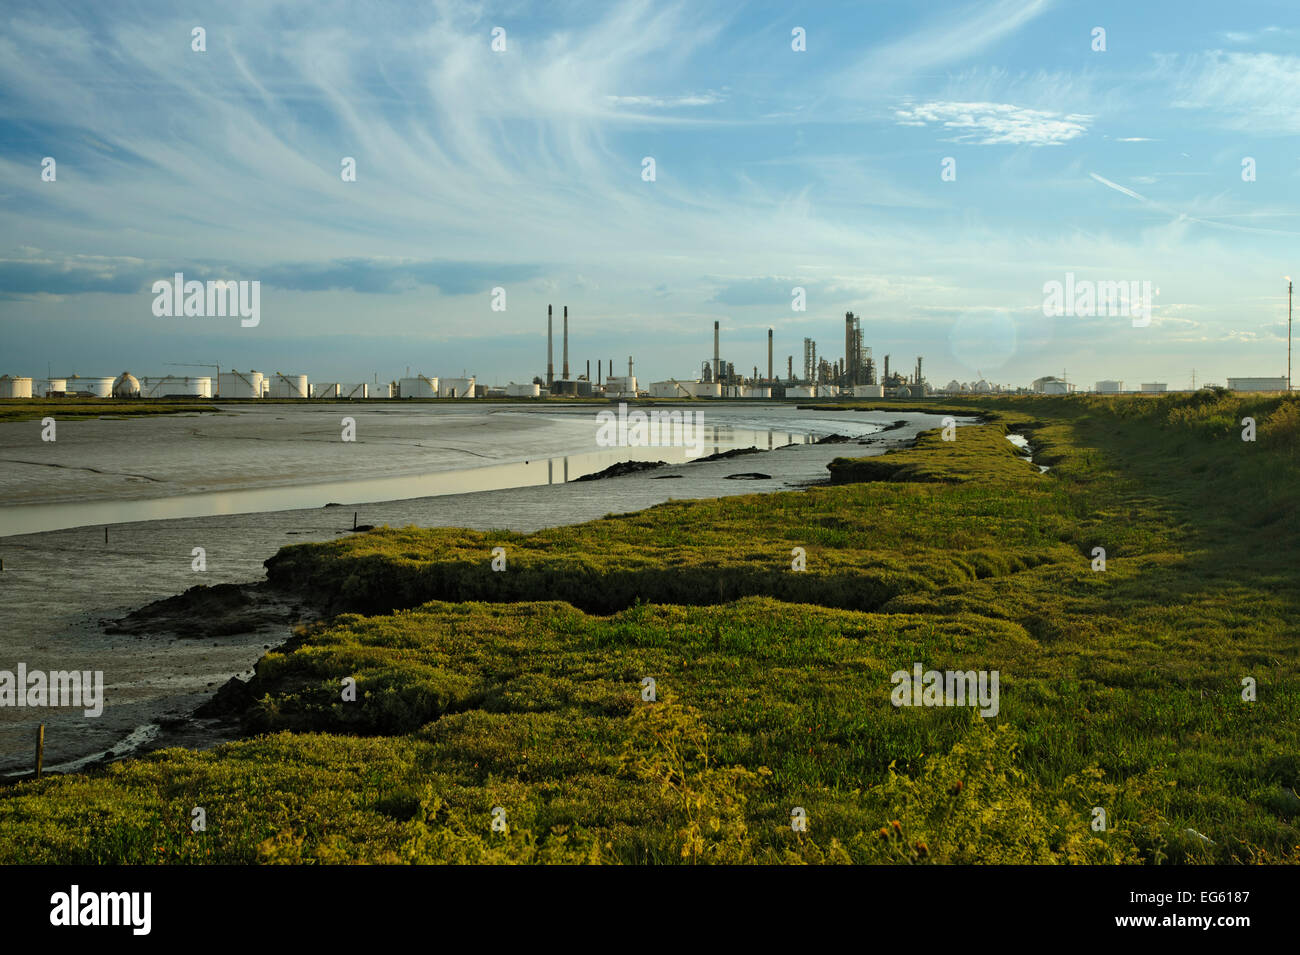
1117,187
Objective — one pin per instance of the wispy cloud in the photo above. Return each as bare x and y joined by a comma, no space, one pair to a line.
993,124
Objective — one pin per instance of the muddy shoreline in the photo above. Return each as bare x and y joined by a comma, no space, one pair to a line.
194,643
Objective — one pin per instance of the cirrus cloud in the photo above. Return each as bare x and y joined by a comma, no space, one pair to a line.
996,124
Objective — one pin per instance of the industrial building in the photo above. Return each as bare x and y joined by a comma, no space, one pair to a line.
1153,387
1108,387
1257,384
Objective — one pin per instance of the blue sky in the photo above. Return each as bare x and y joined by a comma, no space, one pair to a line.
775,168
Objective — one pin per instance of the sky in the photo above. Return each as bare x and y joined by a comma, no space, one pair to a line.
927,166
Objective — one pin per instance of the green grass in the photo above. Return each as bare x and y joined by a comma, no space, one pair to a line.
522,690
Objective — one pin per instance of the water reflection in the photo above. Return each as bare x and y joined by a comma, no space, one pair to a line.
34,518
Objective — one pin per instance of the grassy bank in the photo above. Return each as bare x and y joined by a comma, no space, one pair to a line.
1121,689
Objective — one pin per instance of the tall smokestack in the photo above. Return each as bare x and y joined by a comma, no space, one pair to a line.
717,363
550,357
848,347
918,369
589,369
629,366
886,366
769,354
566,343
789,367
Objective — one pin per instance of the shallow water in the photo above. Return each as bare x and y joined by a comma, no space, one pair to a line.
58,586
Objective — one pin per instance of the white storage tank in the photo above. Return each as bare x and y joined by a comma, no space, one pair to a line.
126,385
456,388
622,386
175,386
760,391
868,391
331,390
11,387
288,386
240,384
420,386
361,390
92,387
45,387
382,390
530,390
800,391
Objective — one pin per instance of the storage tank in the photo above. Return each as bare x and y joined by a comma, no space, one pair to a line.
51,386
868,391
530,390
382,390
288,386
621,386
421,386
90,387
456,388
11,387
240,384
175,386
760,391
361,390
331,390
800,391
126,385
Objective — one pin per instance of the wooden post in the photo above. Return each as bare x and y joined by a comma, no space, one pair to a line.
40,749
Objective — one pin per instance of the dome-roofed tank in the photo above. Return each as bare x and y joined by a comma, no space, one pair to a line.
126,386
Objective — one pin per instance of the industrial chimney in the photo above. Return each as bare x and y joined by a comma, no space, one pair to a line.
848,349
769,355
566,343
717,363
550,357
